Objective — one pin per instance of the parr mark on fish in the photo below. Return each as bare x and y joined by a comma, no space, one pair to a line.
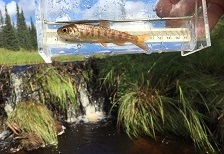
101,33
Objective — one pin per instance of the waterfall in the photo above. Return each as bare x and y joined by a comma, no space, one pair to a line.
89,108
65,89
93,110
16,92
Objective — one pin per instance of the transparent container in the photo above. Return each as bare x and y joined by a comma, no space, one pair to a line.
119,19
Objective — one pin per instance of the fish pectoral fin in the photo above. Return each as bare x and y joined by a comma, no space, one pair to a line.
105,24
104,44
120,43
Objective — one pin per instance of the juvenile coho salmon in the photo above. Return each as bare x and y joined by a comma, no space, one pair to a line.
100,34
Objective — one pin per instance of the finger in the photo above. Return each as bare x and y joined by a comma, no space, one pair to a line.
174,1
175,8
183,8
215,11
163,8
218,2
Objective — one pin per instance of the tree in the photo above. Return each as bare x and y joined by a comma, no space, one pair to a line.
1,19
14,36
10,40
1,26
23,33
33,34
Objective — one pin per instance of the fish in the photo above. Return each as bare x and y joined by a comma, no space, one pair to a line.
101,33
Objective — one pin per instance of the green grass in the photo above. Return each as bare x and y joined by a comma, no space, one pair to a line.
144,111
158,94
24,57
19,57
69,58
30,119
164,94
56,87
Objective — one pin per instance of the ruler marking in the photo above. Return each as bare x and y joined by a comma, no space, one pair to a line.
156,35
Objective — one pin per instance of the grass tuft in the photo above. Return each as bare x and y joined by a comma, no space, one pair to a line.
166,94
34,118
57,87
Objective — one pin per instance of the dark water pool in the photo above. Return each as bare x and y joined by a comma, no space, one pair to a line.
103,138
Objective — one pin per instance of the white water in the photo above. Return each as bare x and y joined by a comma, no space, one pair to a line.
93,111
16,92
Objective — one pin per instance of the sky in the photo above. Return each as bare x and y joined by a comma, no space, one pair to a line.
27,6
88,9
62,10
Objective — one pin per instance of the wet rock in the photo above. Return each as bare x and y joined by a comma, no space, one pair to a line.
5,90
6,137
71,114
16,90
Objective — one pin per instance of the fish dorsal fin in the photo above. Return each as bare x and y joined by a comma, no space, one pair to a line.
105,24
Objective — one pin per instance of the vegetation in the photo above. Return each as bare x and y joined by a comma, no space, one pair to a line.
168,94
24,40
57,88
10,40
68,58
1,33
17,37
57,85
22,57
154,95
28,122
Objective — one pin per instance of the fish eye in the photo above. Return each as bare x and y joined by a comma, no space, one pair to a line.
64,30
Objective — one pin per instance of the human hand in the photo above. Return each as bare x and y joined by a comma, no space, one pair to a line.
178,8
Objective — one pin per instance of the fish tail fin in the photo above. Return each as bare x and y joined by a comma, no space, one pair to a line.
140,41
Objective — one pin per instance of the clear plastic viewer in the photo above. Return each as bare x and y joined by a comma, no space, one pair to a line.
129,16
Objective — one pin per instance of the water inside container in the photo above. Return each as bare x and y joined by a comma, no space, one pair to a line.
132,17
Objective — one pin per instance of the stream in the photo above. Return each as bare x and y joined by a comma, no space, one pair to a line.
103,138
92,131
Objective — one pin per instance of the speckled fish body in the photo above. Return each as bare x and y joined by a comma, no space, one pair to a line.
100,34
